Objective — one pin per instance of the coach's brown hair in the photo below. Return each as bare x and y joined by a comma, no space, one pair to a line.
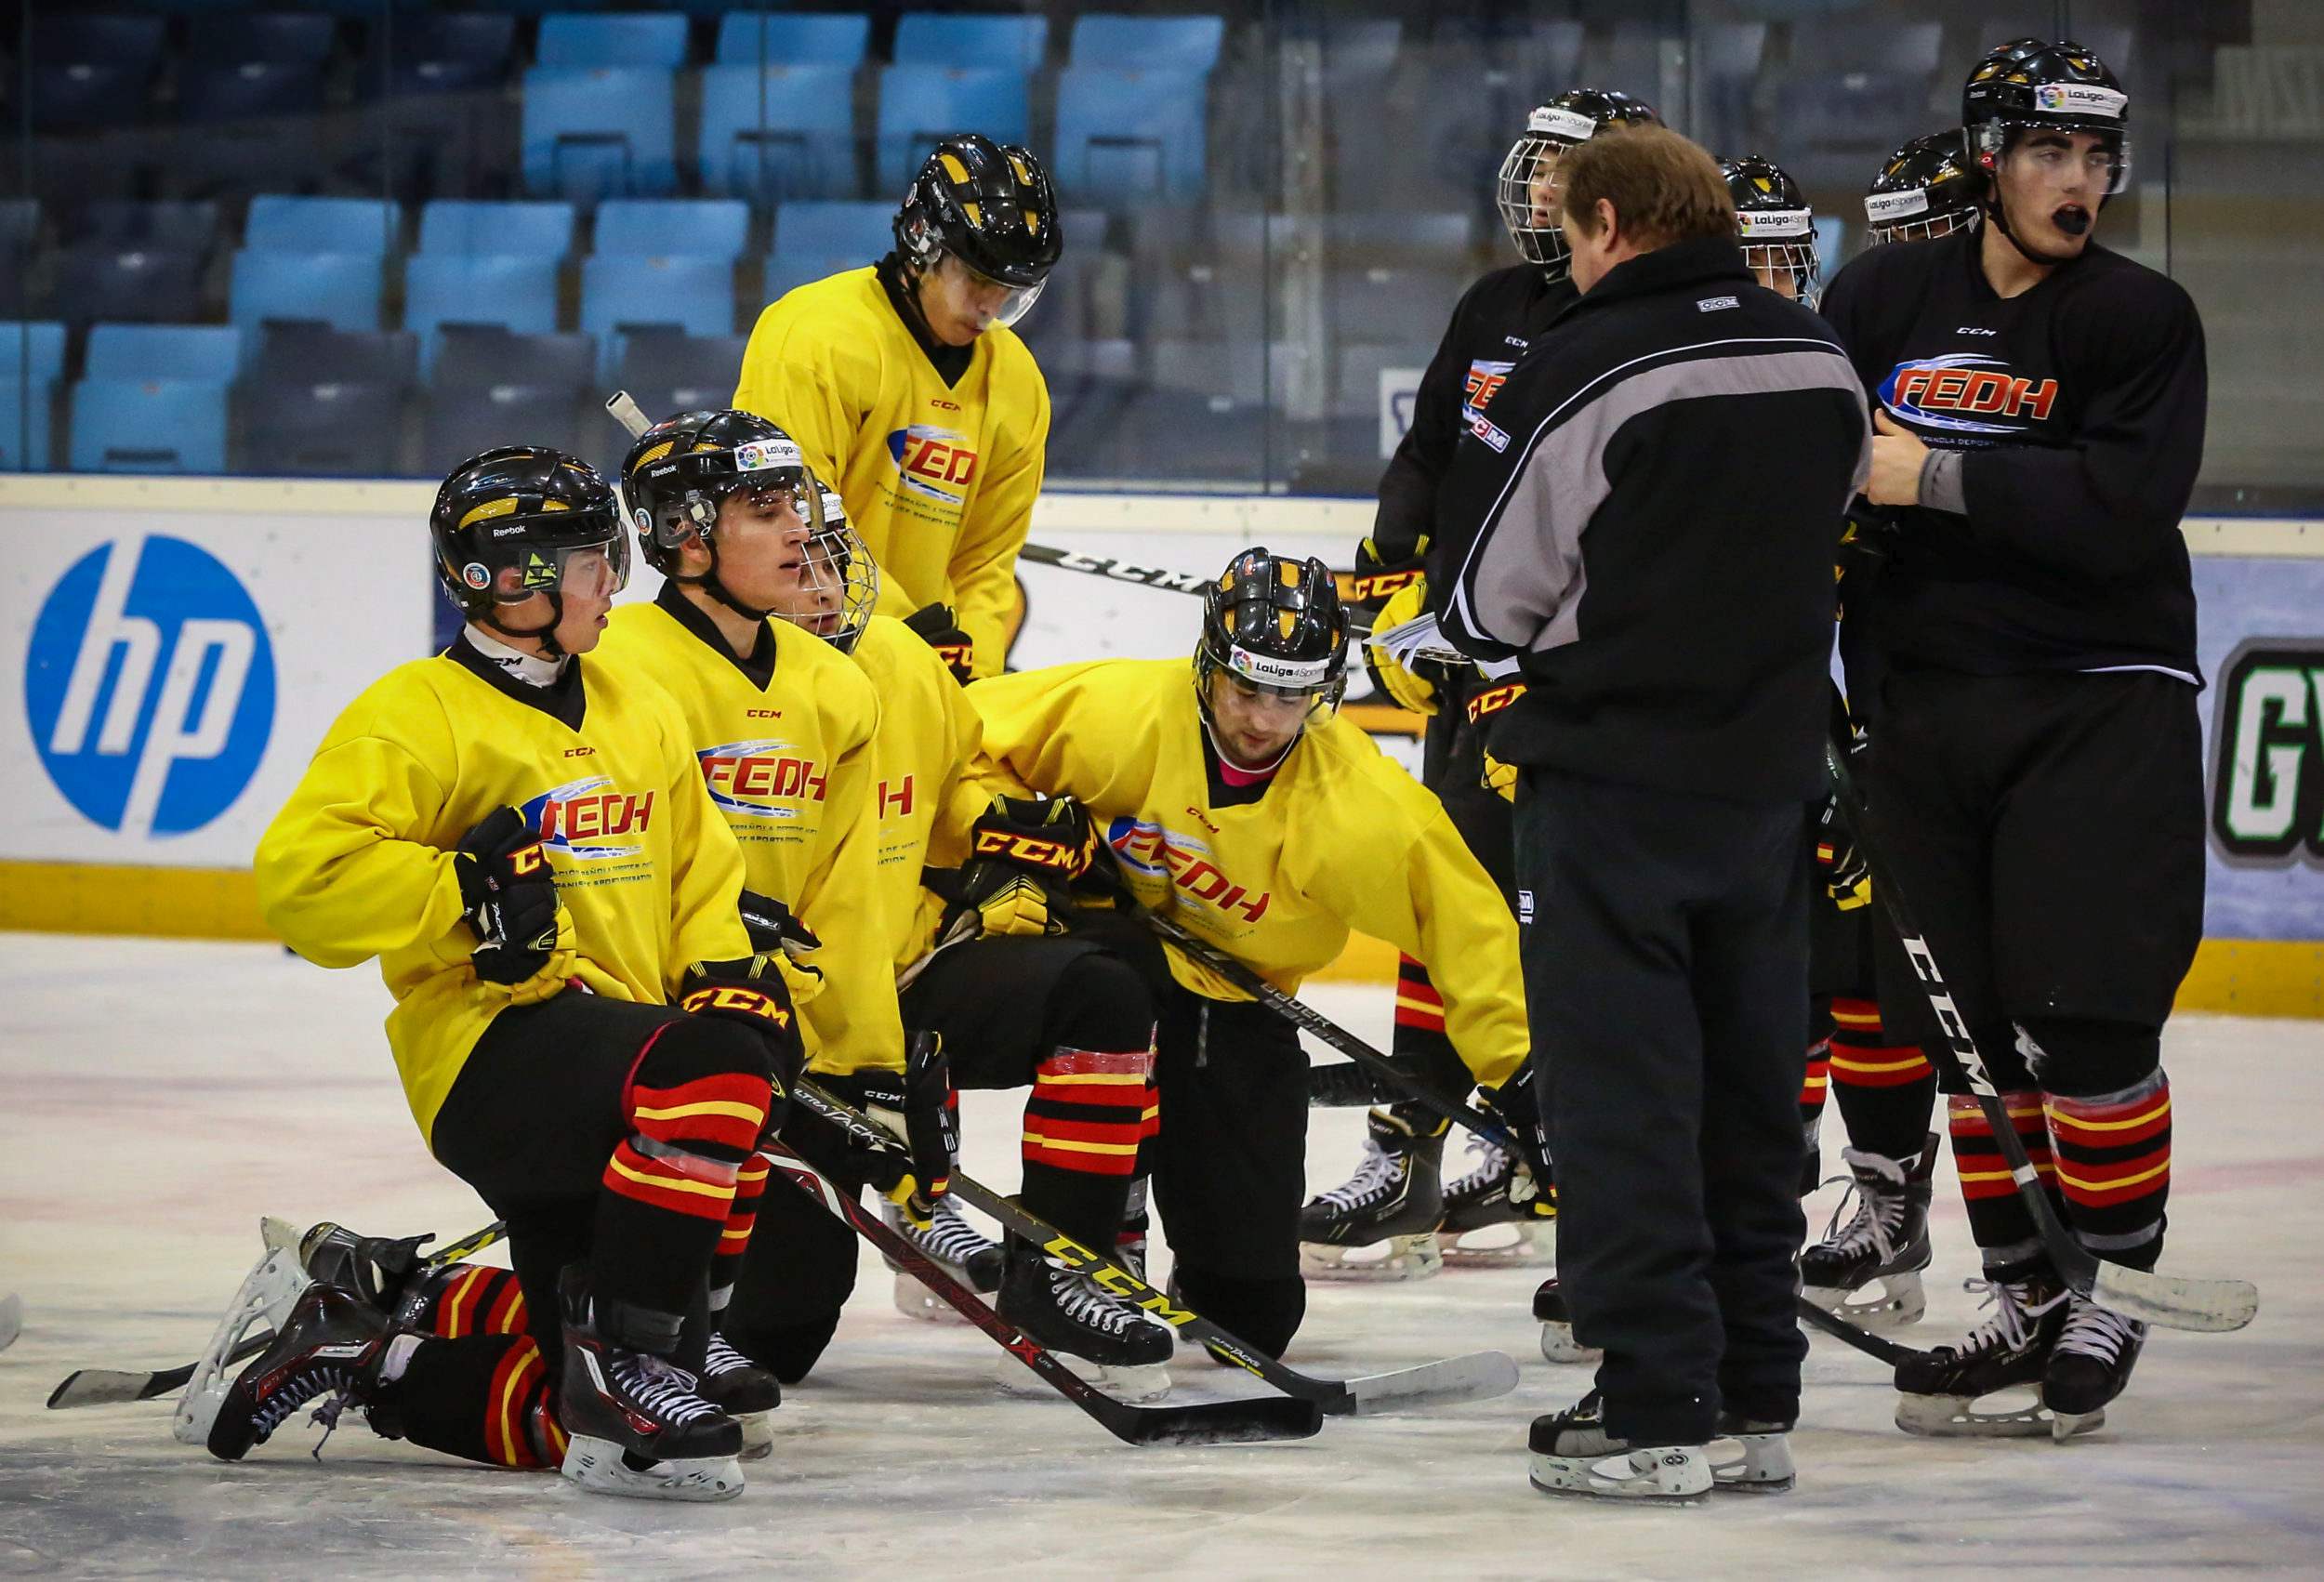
1663,188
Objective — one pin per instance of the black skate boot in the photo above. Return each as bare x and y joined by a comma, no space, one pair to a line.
1103,1339
1938,1392
2089,1366
1557,1327
375,1270
1752,1455
744,1391
1574,1454
638,1425
1886,1243
331,1345
958,1248
1500,1190
1395,1196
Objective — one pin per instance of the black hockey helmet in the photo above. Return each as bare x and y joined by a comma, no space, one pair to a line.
1925,189
2027,84
508,522
1773,221
1573,117
1276,625
991,207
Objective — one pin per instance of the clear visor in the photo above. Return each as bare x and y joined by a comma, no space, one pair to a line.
2054,150
773,492
1004,303
1528,197
588,570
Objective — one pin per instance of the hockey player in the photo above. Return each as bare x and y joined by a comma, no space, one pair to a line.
908,391
1775,226
1244,808
2025,667
1925,189
1395,1196
527,847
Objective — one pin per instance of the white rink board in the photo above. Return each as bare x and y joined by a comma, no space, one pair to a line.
221,1081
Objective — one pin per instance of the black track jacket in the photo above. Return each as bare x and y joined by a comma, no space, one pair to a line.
1646,521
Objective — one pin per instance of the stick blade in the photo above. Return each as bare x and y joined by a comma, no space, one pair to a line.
1480,1376
1221,1422
99,1387
2209,1306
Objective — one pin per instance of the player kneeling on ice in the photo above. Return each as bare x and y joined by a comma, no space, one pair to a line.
582,1031
1245,809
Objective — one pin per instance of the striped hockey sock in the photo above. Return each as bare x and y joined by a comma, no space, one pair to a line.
2114,1163
1998,1221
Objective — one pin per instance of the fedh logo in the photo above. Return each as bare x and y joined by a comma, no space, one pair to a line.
149,686
755,779
1152,848
1968,393
587,819
1485,378
933,462
2267,764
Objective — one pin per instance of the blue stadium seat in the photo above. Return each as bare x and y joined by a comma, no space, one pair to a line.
284,38
30,349
95,280
72,35
1379,304
300,428
749,37
625,38
149,426
1186,436
471,355
197,352
920,104
533,229
339,289
670,372
517,294
232,90
599,132
89,70
813,239
19,222
786,132
279,224
121,222
1129,137
24,425
694,294
966,39
694,228
311,353
475,44
465,419
1147,43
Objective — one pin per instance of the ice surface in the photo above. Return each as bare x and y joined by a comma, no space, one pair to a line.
156,1097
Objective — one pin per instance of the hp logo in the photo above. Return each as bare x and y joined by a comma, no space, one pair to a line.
150,686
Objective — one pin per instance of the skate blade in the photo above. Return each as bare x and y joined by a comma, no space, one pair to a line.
758,1435
1535,1246
268,1292
2065,1425
1901,1301
1666,1475
1398,1258
917,1301
1752,1463
1139,1385
1956,1417
1558,1345
598,1466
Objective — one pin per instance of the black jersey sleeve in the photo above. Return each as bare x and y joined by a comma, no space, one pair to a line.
2102,506
1408,489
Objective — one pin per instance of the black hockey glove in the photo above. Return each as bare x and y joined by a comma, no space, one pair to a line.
751,991
510,895
1515,1105
776,932
935,626
1024,856
914,1107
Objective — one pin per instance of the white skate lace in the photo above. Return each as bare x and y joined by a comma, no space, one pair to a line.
1492,1163
721,1359
949,1237
661,1387
1379,1174
2008,1324
2098,1332
1085,1304
1878,1216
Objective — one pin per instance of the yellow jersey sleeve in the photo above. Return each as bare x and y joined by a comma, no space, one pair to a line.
707,873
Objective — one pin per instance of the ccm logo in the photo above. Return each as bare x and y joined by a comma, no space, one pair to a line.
580,752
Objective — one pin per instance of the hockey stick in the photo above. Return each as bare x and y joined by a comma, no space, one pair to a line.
1480,1376
1331,1034
1213,1422
2170,1300
107,1387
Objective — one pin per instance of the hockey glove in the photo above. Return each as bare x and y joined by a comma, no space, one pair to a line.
1847,877
935,626
1533,1192
1414,688
1377,576
508,892
914,1107
1023,855
1499,778
751,991
776,932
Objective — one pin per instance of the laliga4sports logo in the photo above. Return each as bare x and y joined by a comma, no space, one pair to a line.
936,462
1968,393
149,686
587,819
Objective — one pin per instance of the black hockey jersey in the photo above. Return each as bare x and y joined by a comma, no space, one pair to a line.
2077,412
1495,319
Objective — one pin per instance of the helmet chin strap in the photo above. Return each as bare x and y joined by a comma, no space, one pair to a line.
545,635
709,581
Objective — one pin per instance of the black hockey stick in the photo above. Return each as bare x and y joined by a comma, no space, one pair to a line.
108,1386
1212,1422
1487,1127
2170,1300
1480,1376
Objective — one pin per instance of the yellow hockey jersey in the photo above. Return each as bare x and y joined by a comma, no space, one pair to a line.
1343,837
784,742
926,743
939,478
359,862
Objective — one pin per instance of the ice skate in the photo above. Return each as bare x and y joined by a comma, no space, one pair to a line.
640,1426
744,1391
958,1248
1099,1337
373,1269
2089,1366
1394,1198
1752,1455
1558,1344
1869,1271
1572,1454
1944,1393
329,1345
1500,1190
264,1302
